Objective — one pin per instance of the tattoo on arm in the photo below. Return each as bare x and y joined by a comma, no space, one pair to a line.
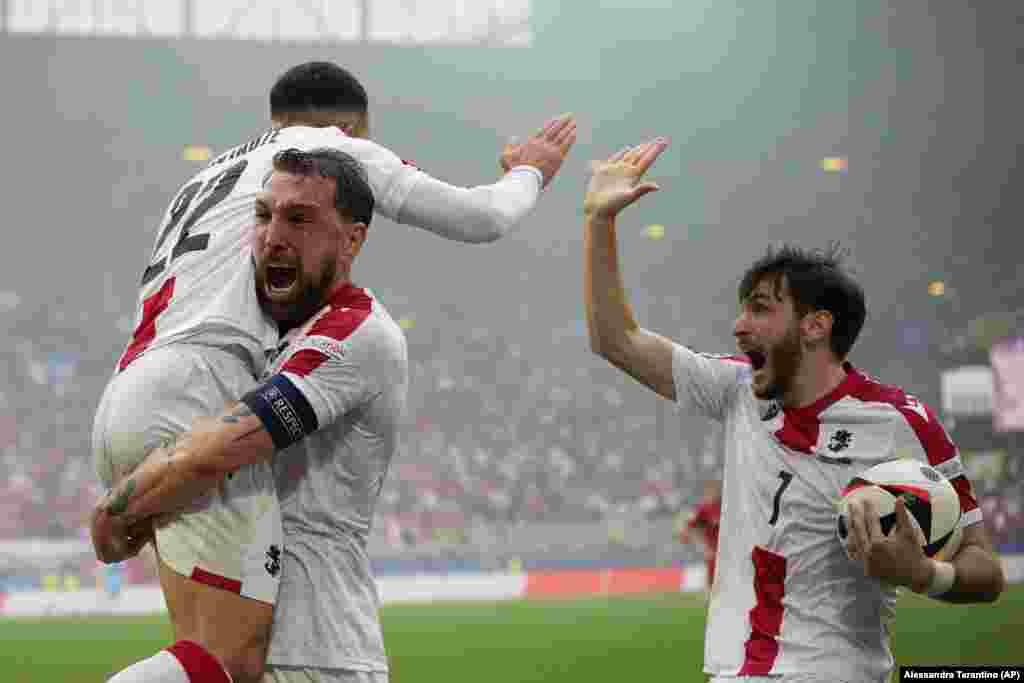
248,433
236,416
122,496
238,413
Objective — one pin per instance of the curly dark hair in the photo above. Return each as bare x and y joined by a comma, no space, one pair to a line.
817,282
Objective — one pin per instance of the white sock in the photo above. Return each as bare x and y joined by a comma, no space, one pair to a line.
183,662
163,667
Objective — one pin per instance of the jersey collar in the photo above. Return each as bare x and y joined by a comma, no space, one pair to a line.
854,380
350,296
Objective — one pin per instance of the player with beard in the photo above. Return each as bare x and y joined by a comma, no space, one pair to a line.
787,604
201,342
327,415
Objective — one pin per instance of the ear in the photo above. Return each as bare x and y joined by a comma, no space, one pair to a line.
817,327
356,238
360,127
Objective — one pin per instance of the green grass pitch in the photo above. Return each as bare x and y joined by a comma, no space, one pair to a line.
655,638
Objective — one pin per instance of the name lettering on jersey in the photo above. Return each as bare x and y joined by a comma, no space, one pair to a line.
265,139
332,348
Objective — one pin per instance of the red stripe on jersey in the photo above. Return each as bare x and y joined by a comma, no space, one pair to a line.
919,416
145,333
968,501
338,323
762,647
349,307
936,443
200,666
799,431
304,362
216,580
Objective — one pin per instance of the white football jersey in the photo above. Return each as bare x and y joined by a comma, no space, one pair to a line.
786,599
199,283
333,406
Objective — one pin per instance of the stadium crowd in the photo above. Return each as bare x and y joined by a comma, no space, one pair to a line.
498,436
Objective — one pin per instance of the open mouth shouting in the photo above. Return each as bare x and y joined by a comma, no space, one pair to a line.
757,359
281,280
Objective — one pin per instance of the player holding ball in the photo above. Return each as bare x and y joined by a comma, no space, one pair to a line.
800,422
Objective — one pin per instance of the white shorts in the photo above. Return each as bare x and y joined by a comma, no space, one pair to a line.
232,538
295,674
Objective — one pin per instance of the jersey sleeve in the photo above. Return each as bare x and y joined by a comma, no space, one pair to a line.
407,195
707,383
926,439
475,214
331,371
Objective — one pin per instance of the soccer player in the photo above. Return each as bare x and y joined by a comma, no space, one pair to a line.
327,415
201,338
787,603
703,525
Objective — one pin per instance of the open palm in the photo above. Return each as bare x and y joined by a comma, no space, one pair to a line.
616,182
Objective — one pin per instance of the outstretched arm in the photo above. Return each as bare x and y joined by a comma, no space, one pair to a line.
174,475
614,333
486,212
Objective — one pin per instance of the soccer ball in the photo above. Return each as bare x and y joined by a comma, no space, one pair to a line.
930,499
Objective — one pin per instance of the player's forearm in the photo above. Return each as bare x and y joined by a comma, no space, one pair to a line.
159,487
170,479
609,316
979,577
478,214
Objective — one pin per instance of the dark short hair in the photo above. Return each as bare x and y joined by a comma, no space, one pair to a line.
817,282
352,194
317,86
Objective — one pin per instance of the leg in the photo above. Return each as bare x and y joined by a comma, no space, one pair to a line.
157,396
233,628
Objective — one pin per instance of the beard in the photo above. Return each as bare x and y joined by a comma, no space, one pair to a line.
307,296
784,360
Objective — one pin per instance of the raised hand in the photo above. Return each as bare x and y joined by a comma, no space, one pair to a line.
616,182
545,150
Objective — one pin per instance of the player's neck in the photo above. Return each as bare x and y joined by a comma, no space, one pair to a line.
341,282
816,379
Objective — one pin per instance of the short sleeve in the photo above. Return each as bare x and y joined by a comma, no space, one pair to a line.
924,436
334,365
707,383
327,373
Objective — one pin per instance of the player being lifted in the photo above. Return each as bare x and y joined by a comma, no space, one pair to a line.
327,414
201,339
787,603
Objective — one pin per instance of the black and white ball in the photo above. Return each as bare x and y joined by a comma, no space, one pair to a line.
930,498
